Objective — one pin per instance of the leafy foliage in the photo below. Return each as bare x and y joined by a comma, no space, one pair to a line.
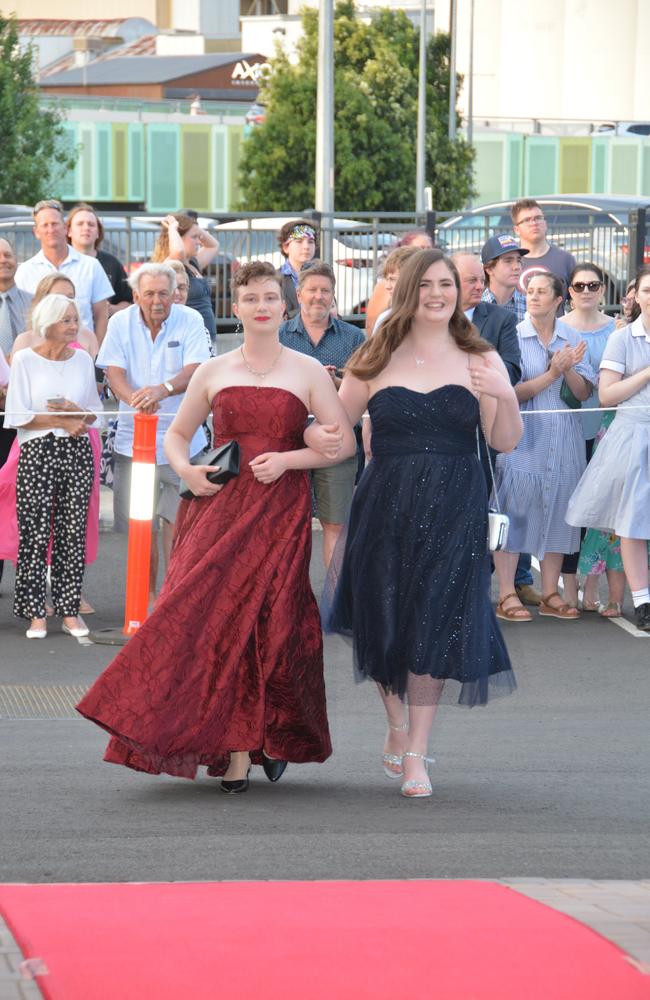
375,121
32,151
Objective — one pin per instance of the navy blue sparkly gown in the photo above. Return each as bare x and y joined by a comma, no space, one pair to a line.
413,587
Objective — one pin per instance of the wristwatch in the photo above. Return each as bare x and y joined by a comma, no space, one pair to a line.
169,387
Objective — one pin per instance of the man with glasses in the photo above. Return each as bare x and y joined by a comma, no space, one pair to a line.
530,226
86,273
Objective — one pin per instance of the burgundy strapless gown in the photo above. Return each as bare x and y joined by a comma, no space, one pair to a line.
232,656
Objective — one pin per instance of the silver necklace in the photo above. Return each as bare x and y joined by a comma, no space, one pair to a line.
267,371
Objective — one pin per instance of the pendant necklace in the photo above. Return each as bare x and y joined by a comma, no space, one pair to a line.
267,371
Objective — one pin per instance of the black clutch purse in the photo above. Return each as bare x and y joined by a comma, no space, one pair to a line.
226,456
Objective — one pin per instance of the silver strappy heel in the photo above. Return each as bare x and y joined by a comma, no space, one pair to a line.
416,789
393,762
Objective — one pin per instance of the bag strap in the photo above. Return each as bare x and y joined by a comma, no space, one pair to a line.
478,452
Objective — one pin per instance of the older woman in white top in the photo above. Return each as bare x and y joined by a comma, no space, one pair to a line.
51,388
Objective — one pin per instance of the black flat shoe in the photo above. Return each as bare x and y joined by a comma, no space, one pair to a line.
642,617
273,769
234,787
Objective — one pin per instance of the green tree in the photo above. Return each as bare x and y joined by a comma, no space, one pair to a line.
33,154
375,96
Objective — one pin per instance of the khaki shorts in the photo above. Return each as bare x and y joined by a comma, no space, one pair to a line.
333,489
167,498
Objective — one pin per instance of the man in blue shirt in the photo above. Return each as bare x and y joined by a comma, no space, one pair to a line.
314,331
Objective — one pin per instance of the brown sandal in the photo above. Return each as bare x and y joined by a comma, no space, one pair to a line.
562,610
513,614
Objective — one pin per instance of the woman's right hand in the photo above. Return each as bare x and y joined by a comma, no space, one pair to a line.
566,358
196,477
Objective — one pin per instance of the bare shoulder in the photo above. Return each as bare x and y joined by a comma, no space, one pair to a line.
304,361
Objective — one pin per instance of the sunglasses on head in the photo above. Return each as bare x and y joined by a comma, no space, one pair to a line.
591,286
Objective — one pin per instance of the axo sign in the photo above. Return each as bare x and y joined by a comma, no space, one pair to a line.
246,74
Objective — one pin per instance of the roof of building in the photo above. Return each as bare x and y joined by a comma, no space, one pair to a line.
144,46
96,29
144,69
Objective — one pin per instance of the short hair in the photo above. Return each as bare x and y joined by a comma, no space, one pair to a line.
178,267
254,270
46,284
408,238
522,205
3,239
397,258
51,310
316,268
556,283
83,207
152,271
47,203
287,228
587,266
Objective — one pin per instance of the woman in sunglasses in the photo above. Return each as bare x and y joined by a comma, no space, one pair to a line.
586,286
614,491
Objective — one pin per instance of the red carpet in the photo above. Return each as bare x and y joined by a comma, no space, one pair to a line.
311,941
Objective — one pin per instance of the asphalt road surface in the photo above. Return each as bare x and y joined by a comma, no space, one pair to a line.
553,782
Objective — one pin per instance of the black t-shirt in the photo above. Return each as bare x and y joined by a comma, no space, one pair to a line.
117,277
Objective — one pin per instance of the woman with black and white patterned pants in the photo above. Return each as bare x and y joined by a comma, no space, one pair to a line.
51,391
55,476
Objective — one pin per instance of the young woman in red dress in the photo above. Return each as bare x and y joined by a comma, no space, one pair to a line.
228,669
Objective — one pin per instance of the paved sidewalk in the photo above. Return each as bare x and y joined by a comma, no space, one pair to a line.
13,984
618,910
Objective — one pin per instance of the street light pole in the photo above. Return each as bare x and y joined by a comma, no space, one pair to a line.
452,71
325,122
470,96
420,178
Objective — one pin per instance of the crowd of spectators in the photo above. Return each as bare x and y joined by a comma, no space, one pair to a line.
75,327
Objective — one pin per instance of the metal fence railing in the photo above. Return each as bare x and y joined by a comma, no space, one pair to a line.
356,245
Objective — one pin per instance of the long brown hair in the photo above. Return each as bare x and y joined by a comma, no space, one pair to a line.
161,249
373,356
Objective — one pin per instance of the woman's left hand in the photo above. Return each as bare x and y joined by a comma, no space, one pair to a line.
489,380
268,467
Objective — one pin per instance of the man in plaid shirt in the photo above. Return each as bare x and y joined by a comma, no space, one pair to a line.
501,258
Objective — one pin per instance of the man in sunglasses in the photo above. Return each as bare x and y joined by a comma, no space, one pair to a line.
530,227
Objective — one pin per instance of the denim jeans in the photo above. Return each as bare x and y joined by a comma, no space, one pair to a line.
523,576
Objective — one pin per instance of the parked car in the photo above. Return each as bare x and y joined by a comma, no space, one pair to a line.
591,227
623,128
356,250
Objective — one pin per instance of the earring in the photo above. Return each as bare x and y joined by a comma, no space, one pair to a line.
239,328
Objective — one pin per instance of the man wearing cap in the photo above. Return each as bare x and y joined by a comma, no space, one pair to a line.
501,257
297,241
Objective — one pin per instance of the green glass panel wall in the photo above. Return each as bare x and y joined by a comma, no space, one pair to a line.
645,178
87,162
120,162
235,136
163,187
541,166
103,145
220,172
490,156
515,165
624,175
66,185
575,165
197,168
599,166
136,183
